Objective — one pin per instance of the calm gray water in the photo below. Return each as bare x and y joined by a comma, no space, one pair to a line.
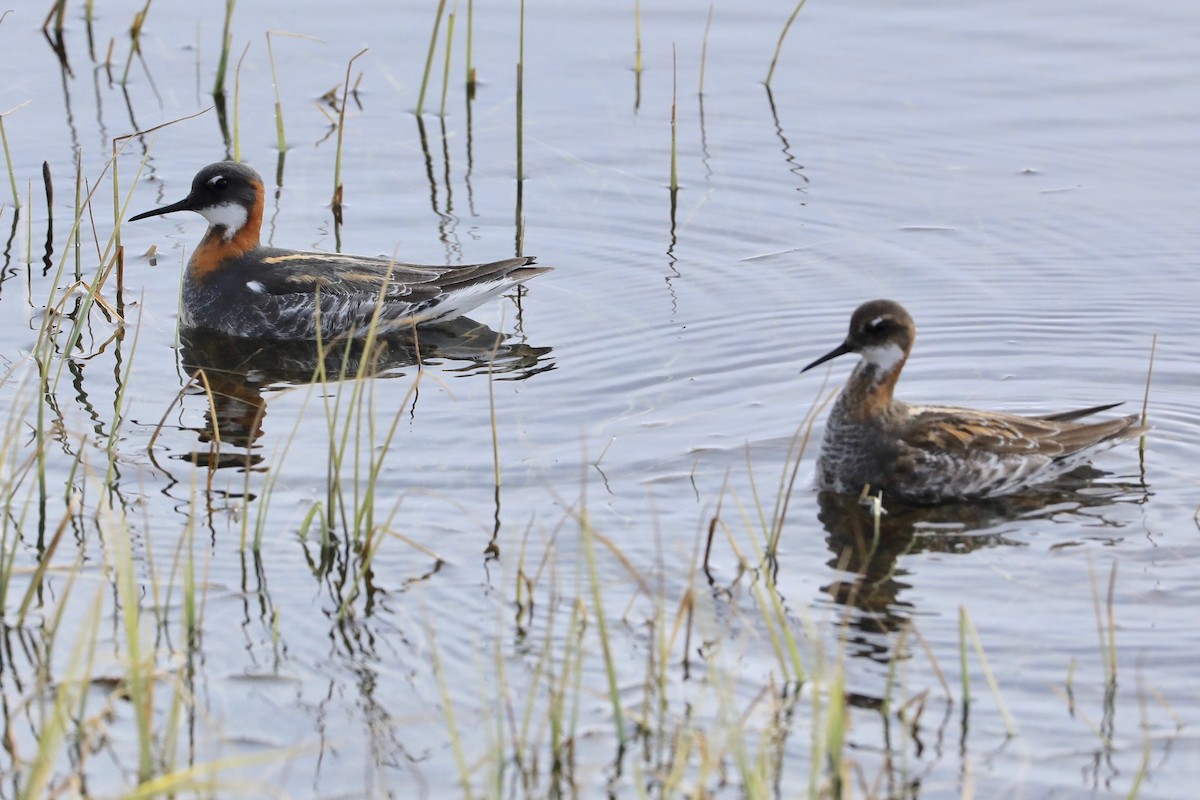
1021,176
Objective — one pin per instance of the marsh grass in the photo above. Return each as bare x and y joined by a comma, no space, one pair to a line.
682,723
674,730
75,684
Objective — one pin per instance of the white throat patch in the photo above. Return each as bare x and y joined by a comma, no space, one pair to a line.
884,358
231,216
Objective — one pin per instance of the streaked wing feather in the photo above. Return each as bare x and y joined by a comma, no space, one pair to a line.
962,430
298,272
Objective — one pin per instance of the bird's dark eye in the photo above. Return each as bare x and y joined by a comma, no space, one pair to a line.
218,182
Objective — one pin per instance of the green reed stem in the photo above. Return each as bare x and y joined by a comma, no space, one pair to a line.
237,90
1106,623
446,67
29,225
835,733
280,138
966,624
12,175
341,128
962,658
226,43
460,758
433,38
704,47
610,668
1146,394
779,45
1143,769
135,40
74,242
470,46
674,104
637,36
138,678
521,97
57,10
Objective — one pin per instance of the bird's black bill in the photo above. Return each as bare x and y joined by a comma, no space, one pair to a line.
840,350
183,205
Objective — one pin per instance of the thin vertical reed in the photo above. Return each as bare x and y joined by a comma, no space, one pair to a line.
280,138
521,97
78,214
674,106
56,13
779,45
1146,394
446,67
341,127
12,176
237,90
962,658
637,36
470,46
433,38
967,626
226,42
704,47
1106,624
610,669
29,225
447,701
135,44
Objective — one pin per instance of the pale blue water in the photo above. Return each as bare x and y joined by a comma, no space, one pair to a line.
1021,177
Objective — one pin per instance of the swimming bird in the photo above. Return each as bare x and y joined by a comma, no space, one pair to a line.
930,454
236,286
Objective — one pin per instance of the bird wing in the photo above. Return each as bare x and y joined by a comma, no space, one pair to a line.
330,273
1055,436
292,272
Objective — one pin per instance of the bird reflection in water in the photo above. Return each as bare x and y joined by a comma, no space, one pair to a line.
238,372
871,578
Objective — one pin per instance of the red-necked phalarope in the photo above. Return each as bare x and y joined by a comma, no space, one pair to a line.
929,454
236,286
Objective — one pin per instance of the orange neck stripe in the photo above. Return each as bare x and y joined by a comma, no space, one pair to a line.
215,250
